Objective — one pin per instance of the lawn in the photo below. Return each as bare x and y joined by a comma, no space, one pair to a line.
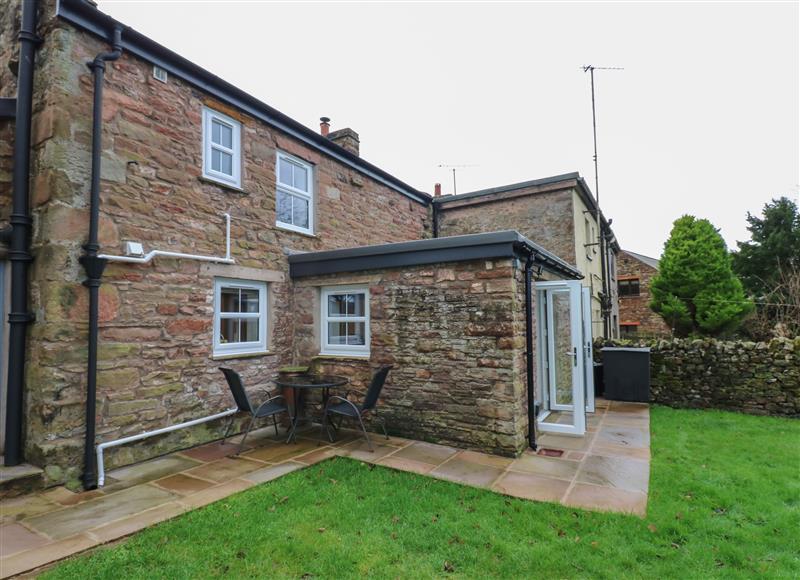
724,501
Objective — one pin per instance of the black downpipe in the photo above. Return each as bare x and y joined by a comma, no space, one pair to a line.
93,264
529,350
18,237
435,218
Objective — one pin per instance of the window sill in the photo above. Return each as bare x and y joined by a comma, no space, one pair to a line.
220,183
293,231
242,355
328,356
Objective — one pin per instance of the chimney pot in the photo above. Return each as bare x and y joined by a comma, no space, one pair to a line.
437,190
324,125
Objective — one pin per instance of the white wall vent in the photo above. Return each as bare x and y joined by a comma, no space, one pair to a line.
159,74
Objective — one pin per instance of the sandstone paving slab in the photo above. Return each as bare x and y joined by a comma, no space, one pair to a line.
25,506
546,466
406,465
213,451
623,436
360,450
91,514
215,493
595,497
130,475
610,449
183,484
273,472
225,469
64,497
426,452
467,472
530,486
17,538
642,409
318,455
565,442
277,452
137,522
52,552
486,459
618,472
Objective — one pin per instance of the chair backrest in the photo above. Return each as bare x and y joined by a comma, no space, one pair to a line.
375,387
237,389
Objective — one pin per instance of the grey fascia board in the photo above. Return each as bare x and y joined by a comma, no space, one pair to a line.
94,21
421,252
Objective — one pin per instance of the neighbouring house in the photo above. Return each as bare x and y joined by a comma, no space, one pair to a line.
537,210
636,318
164,223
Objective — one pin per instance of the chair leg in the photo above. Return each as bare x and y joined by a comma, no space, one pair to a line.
366,435
383,426
275,422
246,433
227,429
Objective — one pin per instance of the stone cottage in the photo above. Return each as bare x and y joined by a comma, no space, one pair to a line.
163,222
637,319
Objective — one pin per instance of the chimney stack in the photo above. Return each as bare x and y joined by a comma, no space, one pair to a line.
437,190
346,138
324,126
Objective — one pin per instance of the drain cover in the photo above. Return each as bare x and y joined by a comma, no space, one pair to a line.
550,452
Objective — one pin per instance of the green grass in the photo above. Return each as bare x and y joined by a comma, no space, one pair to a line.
724,501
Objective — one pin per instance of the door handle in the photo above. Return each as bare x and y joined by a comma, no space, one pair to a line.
574,355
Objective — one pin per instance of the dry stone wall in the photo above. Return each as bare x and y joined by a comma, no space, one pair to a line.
759,378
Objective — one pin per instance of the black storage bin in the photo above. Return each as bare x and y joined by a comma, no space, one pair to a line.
626,374
599,389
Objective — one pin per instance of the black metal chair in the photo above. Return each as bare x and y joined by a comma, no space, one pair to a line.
344,408
269,408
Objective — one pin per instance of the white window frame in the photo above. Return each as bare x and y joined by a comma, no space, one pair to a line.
235,180
290,190
260,346
344,349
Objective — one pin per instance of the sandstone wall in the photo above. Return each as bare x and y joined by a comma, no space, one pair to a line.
637,308
156,364
752,377
456,335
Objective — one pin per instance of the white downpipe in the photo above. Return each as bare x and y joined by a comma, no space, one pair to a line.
153,253
101,472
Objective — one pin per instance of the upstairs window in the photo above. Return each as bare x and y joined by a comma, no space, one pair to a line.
294,199
240,316
345,321
628,287
222,148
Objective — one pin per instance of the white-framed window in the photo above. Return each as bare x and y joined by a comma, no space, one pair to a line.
240,316
222,148
294,197
345,321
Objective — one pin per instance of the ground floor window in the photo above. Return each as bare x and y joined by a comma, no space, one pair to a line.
628,330
345,321
240,316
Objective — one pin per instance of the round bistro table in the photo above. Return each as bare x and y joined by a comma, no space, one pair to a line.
308,381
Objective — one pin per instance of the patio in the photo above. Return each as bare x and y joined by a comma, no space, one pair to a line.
606,470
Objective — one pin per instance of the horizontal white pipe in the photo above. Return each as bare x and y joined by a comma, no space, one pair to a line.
153,253
101,472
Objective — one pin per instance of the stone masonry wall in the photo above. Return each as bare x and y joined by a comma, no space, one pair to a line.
545,218
455,334
760,378
637,308
156,364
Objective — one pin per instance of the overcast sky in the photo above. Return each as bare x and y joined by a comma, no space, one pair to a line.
705,118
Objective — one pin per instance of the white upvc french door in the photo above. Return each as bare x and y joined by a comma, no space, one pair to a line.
588,361
562,357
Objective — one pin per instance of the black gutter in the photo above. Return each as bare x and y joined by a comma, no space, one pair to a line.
87,17
93,264
503,244
18,237
529,350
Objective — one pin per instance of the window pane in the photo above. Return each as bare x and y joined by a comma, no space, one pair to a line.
216,162
229,330
226,162
301,178
337,333
336,305
356,333
249,332
300,212
225,136
284,209
285,172
249,300
229,298
215,127
355,304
